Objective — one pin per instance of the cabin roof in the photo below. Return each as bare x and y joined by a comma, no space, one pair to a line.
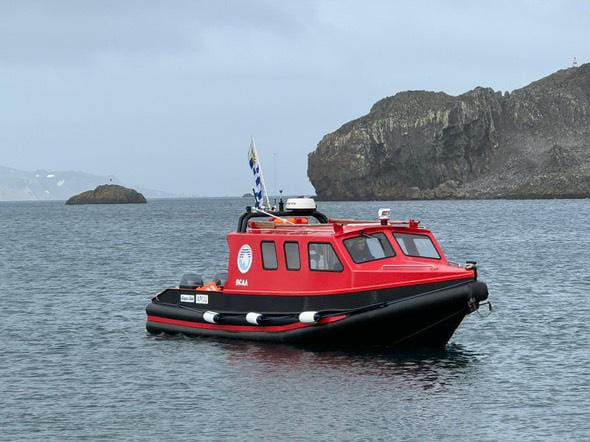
297,222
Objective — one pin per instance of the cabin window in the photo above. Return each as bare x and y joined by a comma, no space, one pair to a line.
322,257
416,245
292,255
269,255
369,247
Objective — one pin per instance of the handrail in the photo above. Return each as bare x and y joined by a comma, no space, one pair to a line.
389,266
303,228
344,222
255,213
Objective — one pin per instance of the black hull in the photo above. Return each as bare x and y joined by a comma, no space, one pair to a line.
416,315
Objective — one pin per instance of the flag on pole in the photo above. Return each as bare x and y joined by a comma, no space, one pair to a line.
260,189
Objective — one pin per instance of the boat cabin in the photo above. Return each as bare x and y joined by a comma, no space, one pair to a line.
299,251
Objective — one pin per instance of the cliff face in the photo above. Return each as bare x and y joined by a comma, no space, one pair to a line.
531,143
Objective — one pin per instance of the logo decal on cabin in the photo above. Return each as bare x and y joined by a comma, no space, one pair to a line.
245,258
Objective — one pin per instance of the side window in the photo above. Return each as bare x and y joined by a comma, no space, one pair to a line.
269,255
292,255
416,245
322,257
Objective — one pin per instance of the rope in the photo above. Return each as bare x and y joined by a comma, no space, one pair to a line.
490,309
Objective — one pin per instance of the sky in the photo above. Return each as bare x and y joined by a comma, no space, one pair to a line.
166,94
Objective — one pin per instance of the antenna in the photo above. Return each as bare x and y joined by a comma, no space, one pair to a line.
274,172
575,63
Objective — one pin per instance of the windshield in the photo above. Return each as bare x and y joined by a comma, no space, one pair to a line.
368,248
416,245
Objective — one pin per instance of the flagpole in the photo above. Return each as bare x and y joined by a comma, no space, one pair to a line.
261,174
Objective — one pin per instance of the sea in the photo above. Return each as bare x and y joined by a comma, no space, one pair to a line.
77,364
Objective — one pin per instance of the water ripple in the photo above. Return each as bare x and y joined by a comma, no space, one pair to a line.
77,364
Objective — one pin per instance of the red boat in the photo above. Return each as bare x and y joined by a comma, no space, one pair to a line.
296,276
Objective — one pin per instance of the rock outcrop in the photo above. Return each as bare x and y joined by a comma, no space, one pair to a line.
531,143
108,194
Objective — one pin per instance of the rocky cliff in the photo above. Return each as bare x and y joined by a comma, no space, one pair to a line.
531,143
108,194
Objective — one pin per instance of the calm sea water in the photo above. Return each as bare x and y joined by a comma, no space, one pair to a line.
76,363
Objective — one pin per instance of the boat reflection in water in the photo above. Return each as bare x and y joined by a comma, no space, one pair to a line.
411,368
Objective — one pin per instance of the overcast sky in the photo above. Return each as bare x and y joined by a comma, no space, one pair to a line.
166,94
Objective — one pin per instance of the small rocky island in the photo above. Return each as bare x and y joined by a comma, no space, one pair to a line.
108,194
533,142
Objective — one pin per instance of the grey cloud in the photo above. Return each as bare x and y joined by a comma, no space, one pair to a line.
55,32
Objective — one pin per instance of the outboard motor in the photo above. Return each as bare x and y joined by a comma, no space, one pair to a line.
220,278
190,281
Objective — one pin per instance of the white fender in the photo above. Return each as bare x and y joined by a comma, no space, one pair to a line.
309,317
254,318
211,317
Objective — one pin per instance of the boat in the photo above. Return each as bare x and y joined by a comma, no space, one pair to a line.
296,276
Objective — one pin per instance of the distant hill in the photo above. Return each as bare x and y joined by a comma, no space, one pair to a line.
533,142
39,185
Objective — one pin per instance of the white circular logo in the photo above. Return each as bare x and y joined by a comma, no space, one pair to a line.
245,258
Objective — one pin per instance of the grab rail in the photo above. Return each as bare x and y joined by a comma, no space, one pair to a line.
395,266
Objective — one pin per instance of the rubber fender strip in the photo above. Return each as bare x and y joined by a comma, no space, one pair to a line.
243,328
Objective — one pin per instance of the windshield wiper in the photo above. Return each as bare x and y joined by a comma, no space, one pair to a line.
368,235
